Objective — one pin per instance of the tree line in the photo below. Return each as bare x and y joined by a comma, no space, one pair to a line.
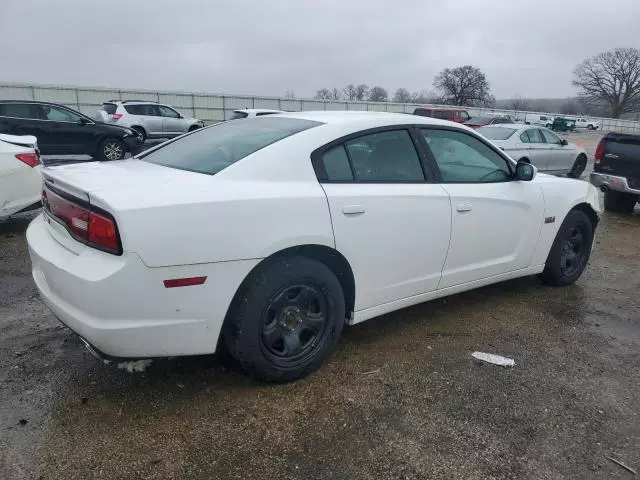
608,85
465,85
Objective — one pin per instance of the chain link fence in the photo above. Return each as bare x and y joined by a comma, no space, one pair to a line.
215,107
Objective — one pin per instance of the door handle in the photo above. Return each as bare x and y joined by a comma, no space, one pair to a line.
464,207
353,209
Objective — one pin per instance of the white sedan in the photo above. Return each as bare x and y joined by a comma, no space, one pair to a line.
269,234
20,178
539,146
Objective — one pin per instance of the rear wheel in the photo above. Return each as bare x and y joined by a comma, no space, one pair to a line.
589,127
111,149
620,202
570,251
285,323
578,166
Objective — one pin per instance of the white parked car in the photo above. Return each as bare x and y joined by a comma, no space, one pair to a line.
540,120
271,233
20,179
149,119
252,112
539,146
583,122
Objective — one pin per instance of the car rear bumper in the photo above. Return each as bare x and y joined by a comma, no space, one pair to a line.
612,182
121,307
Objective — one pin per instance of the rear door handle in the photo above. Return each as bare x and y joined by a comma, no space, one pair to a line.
464,207
353,209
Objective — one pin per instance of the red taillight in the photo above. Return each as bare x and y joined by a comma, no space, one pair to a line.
116,116
31,159
599,151
86,225
102,231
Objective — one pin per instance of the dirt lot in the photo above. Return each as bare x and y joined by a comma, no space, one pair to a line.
402,398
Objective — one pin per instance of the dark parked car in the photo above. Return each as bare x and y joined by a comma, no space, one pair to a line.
616,170
477,122
63,131
458,115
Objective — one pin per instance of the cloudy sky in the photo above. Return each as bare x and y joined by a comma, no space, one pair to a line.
270,46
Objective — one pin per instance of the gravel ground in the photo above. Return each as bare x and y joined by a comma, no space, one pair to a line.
401,398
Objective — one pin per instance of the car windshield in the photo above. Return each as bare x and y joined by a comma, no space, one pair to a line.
210,150
481,120
496,133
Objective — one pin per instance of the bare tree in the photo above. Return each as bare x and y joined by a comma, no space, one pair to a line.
612,79
424,96
378,94
335,94
465,85
402,95
349,92
361,91
518,103
323,94
570,107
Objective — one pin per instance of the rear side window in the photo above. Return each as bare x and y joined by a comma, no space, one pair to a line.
110,108
21,110
145,110
442,115
423,112
386,157
210,150
237,115
336,165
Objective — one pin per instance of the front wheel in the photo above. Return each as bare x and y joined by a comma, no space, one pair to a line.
549,126
589,127
570,251
111,149
286,321
578,167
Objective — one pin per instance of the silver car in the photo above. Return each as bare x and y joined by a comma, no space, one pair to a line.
150,119
538,146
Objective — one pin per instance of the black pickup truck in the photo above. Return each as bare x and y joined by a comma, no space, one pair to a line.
616,171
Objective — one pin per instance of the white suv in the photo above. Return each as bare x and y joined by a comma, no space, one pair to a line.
152,120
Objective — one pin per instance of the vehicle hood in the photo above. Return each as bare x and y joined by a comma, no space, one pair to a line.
113,128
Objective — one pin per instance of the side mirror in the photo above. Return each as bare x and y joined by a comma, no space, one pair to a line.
563,142
180,115
525,172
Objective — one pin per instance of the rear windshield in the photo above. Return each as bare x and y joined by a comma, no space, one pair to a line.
210,150
110,108
496,133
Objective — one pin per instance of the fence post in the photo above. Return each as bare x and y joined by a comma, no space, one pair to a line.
224,108
33,92
77,99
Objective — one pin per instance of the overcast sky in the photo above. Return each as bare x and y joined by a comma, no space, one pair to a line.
270,46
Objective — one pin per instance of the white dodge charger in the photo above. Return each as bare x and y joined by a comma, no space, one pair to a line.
267,235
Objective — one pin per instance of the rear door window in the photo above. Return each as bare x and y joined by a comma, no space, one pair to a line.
210,150
110,108
534,136
21,110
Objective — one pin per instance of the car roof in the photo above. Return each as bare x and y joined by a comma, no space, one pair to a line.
363,120
257,110
443,109
34,101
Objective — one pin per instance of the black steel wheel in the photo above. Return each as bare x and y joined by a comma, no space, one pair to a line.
570,251
286,319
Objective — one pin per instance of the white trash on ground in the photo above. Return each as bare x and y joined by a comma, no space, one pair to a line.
135,366
495,359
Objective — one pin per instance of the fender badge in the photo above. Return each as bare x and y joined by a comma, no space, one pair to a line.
549,219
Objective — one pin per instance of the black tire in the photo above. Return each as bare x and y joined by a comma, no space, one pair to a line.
141,131
570,251
550,126
578,167
111,149
293,297
620,202
589,127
